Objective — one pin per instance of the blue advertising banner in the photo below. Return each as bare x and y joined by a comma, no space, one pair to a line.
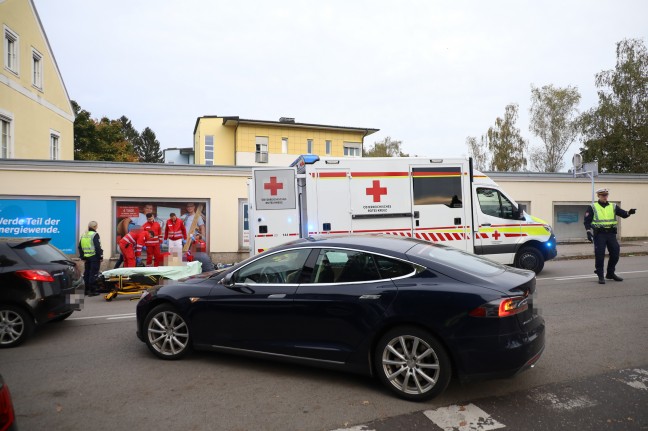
47,218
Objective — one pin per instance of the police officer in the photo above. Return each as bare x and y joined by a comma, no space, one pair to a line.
601,226
91,253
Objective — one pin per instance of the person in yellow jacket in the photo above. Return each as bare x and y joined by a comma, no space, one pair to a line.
601,226
91,253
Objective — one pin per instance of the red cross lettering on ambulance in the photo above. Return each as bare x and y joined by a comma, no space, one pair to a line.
496,235
273,186
376,191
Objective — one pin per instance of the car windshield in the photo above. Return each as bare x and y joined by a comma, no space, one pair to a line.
455,258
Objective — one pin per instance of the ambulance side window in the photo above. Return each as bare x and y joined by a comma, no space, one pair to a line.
437,186
495,204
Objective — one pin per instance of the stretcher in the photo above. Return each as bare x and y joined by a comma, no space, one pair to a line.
133,281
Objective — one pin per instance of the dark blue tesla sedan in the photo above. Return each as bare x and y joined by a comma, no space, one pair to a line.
410,312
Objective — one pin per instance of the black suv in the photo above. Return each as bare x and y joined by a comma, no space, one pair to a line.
38,284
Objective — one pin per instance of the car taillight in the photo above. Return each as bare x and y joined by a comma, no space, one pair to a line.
7,416
35,275
503,307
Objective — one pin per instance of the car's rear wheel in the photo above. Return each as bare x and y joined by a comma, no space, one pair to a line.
412,364
16,325
167,333
530,258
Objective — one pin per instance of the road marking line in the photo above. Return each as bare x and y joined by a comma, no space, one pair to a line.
462,418
355,428
564,402
121,317
636,378
573,277
109,316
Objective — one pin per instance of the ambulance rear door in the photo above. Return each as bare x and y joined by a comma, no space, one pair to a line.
440,199
274,208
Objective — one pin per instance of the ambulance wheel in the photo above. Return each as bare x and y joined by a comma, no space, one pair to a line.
530,258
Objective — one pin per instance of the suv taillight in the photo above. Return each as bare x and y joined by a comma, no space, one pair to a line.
35,275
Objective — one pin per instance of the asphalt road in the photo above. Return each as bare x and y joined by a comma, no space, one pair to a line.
91,372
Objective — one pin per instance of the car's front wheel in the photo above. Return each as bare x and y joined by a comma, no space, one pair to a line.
16,325
412,364
530,258
167,333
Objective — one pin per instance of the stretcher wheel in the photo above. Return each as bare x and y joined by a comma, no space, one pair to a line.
110,296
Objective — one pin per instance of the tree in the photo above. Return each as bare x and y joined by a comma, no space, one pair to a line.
616,131
554,119
148,148
385,148
478,151
505,142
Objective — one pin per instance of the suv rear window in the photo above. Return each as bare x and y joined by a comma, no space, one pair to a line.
41,253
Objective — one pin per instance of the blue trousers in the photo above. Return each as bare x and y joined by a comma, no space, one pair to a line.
603,240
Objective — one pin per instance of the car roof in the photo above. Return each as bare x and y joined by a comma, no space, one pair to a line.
369,241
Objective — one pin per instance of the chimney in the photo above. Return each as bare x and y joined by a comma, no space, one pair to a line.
287,120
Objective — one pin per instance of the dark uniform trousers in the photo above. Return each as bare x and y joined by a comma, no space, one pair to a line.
601,241
91,273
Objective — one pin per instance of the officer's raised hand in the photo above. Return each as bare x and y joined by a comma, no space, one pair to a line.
590,235
632,211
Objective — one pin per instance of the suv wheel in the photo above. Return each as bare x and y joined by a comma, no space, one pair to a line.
16,325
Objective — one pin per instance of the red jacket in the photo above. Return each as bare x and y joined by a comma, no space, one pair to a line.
135,240
175,231
157,233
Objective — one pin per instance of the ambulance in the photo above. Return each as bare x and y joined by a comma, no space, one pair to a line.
438,200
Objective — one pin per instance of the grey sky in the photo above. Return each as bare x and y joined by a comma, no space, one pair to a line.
429,73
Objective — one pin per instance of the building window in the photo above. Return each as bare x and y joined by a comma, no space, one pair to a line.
209,149
11,50
37,69
5,143
352,149
261,154
309,146
328,147
284,145
55,148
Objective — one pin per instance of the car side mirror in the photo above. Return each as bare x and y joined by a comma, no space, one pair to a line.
227,280
5,261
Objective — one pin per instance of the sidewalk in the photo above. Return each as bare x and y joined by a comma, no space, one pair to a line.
585,250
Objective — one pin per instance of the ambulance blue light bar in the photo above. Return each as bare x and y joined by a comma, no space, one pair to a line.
303,160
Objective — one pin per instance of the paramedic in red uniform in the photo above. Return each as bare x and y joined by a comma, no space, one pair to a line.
176,234
153,243
131,247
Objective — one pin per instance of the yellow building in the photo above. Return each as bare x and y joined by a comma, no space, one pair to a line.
234,141
36,117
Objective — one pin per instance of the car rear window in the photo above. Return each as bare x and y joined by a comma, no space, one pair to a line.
455,258
41,253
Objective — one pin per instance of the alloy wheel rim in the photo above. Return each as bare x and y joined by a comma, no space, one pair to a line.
12,326
410,364
168,333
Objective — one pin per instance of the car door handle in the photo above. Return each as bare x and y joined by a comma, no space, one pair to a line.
277,296
486,224
370,297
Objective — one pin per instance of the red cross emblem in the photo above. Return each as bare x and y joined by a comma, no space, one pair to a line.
376,191
496,235
273,186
